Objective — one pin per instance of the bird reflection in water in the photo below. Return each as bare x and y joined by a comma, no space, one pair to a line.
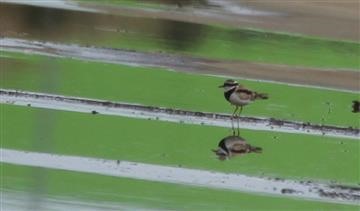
232,146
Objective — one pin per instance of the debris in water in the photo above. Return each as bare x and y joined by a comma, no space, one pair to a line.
288,191
345,187
334,195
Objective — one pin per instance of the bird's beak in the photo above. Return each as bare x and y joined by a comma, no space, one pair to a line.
222,86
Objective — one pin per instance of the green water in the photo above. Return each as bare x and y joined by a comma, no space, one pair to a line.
173,144
152,195
159,87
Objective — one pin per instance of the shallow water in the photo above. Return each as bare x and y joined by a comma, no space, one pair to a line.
63,25
70,24
163,35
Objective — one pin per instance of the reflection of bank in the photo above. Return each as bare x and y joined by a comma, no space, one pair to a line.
234,145
88,28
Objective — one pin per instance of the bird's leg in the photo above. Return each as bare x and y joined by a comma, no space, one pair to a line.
232,119
238,121
238,126
241,108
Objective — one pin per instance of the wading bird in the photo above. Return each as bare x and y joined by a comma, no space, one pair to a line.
234,145
239,96
356,106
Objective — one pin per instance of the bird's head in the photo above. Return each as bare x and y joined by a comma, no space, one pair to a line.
229,84
222,155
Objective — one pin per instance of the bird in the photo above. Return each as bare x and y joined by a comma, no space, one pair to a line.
234,145
356,106
239,96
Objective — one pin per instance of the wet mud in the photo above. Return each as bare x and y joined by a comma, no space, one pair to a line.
185,176
293,75
283,16
268,122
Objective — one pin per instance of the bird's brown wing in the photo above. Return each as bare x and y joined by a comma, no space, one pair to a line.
245,94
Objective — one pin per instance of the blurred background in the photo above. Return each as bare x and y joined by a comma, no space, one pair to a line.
174,54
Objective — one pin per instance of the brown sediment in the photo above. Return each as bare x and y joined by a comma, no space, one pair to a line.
316,18
332,78
293,16
329,78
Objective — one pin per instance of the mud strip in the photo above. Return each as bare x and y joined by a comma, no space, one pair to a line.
20,201
325,78
284,16
56,4
93,106
314,18
184,176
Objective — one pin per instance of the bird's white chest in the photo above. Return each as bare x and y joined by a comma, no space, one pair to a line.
236,100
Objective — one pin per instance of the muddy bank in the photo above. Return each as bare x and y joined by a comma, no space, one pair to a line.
93,106
314,18
57,4
338,79
20,201
185,176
